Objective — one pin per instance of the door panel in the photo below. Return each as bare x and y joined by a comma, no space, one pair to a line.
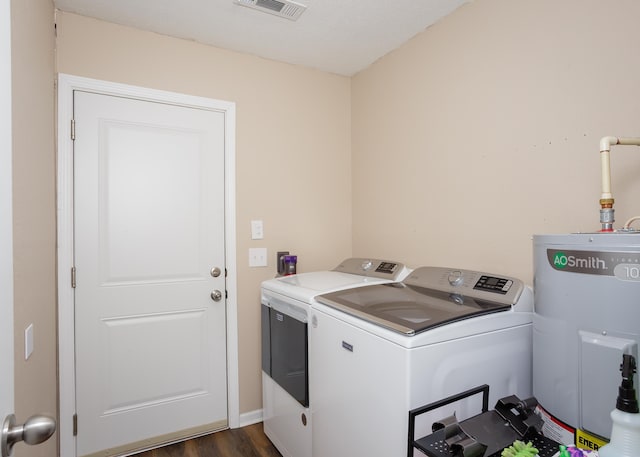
149,197
149,226
185,379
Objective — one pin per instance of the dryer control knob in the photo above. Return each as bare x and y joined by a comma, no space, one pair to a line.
456,278
366,265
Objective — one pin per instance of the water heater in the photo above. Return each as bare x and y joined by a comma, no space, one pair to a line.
587,315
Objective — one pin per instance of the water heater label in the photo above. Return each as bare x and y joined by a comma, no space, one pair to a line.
554,428
586,440
622,265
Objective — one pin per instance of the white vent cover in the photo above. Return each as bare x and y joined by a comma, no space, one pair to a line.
283,8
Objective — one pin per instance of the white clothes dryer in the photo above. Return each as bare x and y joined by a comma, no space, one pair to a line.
286,303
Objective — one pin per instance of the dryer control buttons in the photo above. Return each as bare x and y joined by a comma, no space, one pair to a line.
386,267
455,278
366,265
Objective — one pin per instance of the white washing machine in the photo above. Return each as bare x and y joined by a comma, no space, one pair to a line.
379,351
286,366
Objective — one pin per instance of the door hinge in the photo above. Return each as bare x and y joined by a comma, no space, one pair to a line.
73,277
75,425
73,129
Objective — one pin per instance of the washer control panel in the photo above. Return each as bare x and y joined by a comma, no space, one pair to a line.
494,284
473,284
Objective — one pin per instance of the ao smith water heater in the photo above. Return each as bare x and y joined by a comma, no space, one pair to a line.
587,315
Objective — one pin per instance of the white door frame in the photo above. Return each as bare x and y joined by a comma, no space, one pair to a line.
66,340
6,217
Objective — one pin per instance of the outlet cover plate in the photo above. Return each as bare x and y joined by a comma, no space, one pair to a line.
257,257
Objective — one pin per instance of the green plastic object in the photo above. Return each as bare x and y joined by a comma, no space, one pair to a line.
564,452
520,449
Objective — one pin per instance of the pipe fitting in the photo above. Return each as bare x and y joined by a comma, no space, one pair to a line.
607,218
606,199
607,214
606,143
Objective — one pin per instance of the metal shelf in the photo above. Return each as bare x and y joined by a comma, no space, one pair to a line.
486,424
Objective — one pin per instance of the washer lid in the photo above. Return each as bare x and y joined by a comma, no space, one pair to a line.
408,309
429,297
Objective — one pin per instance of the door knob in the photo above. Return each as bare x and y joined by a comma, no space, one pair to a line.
215,272
35,430
216,295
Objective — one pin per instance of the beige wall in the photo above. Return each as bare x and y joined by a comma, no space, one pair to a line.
34,227
485,129
460,145
293,148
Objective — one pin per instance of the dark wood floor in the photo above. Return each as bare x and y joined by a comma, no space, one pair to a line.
247,441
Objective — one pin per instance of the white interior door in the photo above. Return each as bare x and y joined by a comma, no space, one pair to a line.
6,218
149,228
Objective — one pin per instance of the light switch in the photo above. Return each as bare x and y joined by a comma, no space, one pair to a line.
257,230
28,341
257,257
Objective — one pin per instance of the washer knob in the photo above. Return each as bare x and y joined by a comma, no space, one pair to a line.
366,265
455,278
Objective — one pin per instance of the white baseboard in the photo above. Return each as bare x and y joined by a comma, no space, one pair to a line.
250,418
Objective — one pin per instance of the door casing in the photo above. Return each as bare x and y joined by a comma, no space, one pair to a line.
67,84
6,219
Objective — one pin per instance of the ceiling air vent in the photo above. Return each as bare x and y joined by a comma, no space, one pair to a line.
283,8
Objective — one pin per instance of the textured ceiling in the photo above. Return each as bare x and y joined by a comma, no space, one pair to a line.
337,36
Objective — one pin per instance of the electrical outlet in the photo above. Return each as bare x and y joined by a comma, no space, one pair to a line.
280,261
28,341
257,257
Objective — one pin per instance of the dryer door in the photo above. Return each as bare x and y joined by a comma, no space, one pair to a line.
284,354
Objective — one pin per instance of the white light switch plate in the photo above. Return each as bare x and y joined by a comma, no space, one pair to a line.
257,257
257,230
